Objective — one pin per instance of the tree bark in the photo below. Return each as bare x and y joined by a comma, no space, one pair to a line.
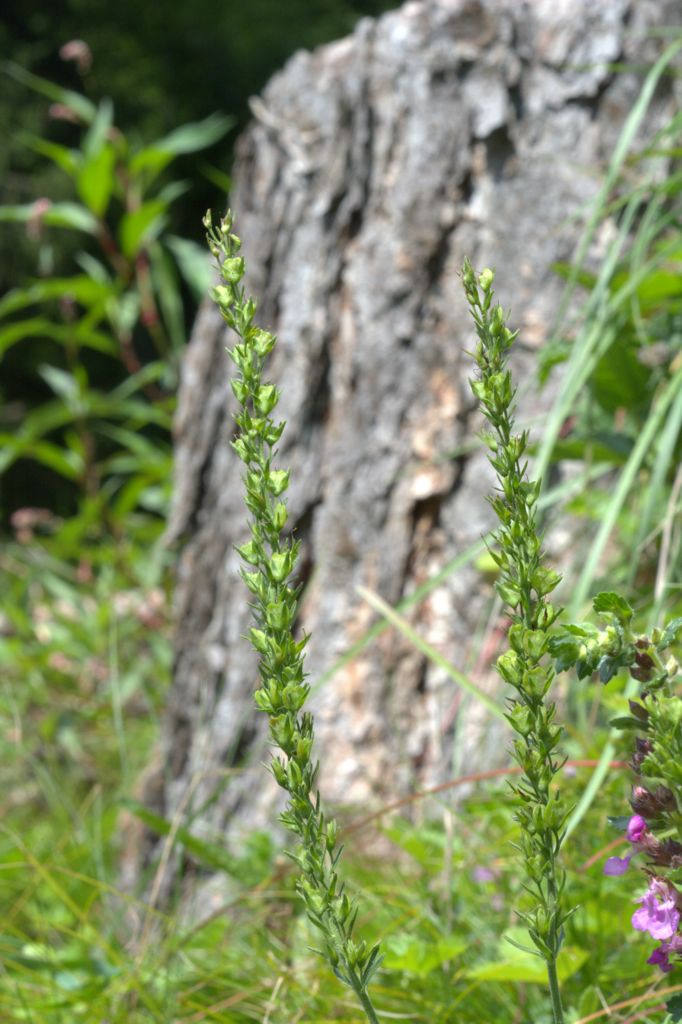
371,167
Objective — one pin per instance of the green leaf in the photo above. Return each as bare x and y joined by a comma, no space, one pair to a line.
63,384
625,722
96,180
670,634
521,966
193,263
674,1008
65,463
413,955
82,106
610,603
98,134
187,139
608,668
40,327
81,288
69,160
57,215
141,226
167,290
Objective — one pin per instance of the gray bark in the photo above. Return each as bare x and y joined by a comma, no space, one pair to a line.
371,167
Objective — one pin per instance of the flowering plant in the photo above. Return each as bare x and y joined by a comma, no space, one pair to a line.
655,827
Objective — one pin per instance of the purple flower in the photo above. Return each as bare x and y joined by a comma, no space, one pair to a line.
658,914
636,831
661,956
482,874
615,866
637,828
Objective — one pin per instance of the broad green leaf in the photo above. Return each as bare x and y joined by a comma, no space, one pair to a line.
57,215
96,180
418,956
82,106
81,288
71,215
141,226
98,134
187,139
64,462
613,604
68,159
521,966
63,334
64,384
151,372
93,267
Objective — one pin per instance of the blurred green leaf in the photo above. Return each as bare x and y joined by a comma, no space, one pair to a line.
167,290
96,180
75,101
69,160
98,136
419,956
64,334
193,262
190,138
81,289
56,215
141,226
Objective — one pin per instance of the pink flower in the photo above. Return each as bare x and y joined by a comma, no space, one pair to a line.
658,914
636,831
637,828
60,112
77,50
34,224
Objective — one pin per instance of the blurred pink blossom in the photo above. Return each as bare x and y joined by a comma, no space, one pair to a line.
78,51
60,112
34,224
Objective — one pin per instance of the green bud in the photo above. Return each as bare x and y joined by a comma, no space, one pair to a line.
233,269
263,342
223,295
278,481
258,640
266,399
278,615
510,668
279,516
250,552
278,769
486,278
279,565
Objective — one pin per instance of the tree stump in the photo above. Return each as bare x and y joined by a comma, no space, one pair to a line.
372,166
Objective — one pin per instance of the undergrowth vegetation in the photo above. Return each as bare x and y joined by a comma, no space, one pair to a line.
85,649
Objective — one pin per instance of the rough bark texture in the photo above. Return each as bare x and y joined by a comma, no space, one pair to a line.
372,166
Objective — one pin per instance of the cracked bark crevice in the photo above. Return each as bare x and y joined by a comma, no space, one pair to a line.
372,167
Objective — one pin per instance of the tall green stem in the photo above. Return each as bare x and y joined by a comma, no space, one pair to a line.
270,558
523,584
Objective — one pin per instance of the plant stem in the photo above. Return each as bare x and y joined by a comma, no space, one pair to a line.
363,996
557,1009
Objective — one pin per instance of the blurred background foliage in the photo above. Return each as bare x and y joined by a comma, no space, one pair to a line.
100,285
159,66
